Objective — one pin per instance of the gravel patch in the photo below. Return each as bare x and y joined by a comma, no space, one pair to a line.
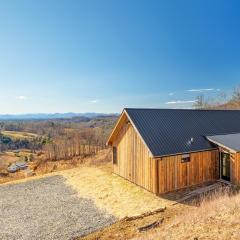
47,209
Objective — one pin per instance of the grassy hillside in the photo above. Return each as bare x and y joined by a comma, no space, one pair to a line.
213,216
217,217
19,135
231,105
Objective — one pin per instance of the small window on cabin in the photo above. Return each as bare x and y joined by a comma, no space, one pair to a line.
114,155
185,158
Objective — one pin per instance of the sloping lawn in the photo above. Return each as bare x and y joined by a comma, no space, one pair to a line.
116,195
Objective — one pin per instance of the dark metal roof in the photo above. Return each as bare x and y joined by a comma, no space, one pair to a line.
173,131
231,141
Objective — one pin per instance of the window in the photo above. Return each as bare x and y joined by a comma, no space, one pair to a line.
114,155
185,158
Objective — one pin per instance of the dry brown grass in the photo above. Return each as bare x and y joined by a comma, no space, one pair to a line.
8,158
116,195
41,166
128,229
217,217
44,166
19,135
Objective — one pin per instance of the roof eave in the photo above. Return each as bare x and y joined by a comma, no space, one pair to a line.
109,142
181,153
222,145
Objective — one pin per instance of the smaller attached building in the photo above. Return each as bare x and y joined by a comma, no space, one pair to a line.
168,149
229,150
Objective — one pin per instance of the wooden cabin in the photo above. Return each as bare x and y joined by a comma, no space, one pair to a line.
163,150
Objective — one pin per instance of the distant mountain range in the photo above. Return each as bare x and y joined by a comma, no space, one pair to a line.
45,116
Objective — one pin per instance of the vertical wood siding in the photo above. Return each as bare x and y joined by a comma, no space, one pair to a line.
160,175
235,168
173,174
134,161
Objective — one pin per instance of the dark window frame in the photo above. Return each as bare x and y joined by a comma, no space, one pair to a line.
186,158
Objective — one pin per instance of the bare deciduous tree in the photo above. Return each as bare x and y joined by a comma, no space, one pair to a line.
236,95
200,102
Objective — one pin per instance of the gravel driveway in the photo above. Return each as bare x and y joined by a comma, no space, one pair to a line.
47,208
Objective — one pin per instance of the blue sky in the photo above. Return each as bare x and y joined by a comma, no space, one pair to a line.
82,56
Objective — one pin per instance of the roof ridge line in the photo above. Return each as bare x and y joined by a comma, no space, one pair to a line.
183,109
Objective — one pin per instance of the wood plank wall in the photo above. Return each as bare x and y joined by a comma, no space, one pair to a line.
173,174
235,168
134,161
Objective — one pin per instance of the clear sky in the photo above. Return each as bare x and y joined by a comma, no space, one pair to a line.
103,55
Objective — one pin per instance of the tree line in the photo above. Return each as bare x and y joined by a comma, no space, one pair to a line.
82,143
221,101
60,138
8,143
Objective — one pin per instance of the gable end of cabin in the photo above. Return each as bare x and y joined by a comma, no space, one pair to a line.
132,159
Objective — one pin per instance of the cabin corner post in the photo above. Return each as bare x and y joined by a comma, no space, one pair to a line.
236,169
232,167
156,177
